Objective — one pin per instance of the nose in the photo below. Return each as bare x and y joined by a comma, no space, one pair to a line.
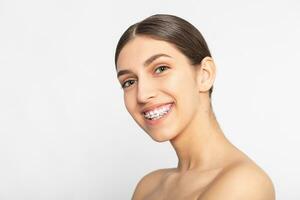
145,92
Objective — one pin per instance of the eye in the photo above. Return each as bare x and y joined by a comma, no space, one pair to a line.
158,70
127,83
161,68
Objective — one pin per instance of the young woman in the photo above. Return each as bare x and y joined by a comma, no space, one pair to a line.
167,73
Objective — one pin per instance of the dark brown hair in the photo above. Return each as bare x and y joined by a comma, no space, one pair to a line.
186,38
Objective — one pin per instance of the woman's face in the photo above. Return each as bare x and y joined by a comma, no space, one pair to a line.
156,76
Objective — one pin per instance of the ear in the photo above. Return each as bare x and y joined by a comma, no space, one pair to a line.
206,74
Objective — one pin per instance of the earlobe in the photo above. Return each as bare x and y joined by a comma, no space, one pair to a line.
206,74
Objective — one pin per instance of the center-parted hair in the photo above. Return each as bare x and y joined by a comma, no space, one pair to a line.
175,30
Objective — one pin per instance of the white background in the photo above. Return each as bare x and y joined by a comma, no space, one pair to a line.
64,131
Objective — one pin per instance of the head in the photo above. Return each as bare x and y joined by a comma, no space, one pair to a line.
165,59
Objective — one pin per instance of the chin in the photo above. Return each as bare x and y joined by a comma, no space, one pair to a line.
159,139
161,135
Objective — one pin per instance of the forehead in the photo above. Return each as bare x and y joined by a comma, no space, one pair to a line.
136,51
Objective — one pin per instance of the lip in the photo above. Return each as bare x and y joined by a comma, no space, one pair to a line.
152,107
157,121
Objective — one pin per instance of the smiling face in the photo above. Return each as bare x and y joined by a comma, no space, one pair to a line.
153,73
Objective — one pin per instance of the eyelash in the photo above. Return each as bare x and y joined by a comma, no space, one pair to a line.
159,67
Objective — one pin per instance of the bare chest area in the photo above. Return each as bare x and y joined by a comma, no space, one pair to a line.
189,186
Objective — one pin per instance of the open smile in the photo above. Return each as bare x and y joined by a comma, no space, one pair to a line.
157,115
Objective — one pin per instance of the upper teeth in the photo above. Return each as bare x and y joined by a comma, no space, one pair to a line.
158,111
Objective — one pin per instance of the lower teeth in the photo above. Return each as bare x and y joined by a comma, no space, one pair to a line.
155,118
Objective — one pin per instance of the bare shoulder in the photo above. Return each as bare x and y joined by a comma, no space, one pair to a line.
243,180
148,183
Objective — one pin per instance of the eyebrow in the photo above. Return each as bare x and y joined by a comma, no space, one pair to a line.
146,63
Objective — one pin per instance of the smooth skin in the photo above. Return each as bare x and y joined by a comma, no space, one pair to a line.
209,166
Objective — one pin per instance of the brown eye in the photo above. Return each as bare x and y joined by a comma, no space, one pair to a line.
127,83
161,69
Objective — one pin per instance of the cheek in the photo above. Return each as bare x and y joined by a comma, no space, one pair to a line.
129,102
180,84
171,83
183,88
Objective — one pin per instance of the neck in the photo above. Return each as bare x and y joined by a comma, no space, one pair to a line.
202,144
